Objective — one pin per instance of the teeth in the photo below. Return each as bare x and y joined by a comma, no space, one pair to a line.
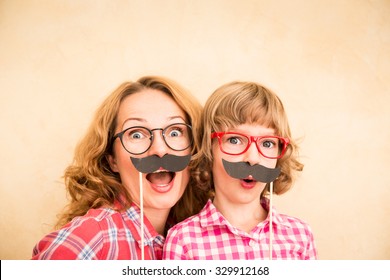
159,171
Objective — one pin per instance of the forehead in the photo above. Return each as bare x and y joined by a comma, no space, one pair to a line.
149,107
243,120
253,129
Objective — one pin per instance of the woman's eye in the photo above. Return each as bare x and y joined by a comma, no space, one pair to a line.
175,133
136,135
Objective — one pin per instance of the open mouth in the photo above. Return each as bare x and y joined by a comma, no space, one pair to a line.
161,180
249,179
248,182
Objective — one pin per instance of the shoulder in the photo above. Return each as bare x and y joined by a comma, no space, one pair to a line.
94,221
186,225
100,213
82,238
297,231
181,237
190,227
294,221
296,226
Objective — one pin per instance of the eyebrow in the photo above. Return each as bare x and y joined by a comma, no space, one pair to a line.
142,120
244,131
176,117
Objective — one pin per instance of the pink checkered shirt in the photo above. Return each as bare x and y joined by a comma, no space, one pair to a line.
101,234
209,236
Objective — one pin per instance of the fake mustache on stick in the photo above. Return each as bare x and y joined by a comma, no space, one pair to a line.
241,170
168,162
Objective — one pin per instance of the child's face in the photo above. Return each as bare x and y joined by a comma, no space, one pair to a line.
236,191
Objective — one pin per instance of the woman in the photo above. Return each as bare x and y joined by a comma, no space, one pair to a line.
247,155
150,121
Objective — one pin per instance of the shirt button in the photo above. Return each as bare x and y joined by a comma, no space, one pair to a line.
252,243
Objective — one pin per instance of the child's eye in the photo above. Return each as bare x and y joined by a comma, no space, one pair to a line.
235,140
267,143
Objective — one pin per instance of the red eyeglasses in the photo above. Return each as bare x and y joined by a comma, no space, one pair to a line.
234,143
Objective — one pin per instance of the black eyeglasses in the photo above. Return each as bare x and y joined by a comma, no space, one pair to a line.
138,139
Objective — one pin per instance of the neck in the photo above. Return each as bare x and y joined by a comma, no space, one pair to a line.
158,218
242,216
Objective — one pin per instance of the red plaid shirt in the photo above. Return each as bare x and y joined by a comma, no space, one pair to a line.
209,236
101,234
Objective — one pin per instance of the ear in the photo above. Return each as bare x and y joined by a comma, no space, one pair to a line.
112,161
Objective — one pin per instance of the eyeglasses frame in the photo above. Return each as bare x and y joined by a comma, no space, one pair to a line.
252,139
151,138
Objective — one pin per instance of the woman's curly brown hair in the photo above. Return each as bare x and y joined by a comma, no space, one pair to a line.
89,180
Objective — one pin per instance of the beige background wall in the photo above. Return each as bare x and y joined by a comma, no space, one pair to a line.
328,60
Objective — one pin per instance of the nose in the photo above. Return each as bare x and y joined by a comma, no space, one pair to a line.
159,147
252,155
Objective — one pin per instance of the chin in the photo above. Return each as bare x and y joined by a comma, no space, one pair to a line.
168,199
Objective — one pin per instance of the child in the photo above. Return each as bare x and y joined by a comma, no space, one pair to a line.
246,155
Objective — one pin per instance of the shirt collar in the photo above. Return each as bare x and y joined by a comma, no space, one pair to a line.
277,218
210,216
151,235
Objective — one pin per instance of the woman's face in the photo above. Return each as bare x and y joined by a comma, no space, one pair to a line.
151,109
236,191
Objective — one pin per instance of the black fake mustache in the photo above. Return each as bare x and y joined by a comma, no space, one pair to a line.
168,162
241,170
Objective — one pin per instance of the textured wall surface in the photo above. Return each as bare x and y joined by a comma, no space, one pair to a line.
329,61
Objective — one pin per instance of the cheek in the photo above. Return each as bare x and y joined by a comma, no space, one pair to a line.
218,169
181,182
270,163
184,178
219,172
125,167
